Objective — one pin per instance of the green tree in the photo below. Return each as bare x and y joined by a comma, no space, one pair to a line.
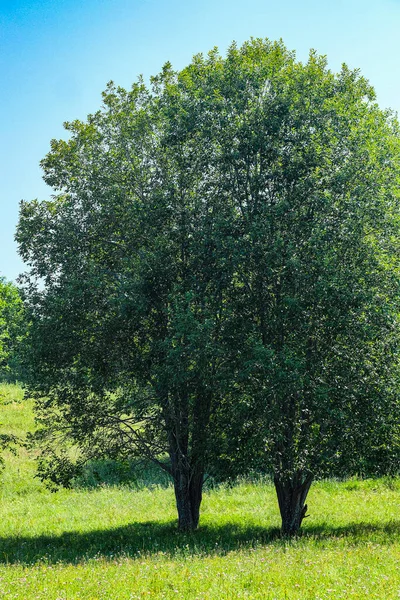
127,293
11,331
312,165
218,269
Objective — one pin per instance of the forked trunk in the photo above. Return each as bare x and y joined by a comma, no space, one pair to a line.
292,493
187,465
188,493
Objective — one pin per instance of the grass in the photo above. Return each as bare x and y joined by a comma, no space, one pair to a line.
118,542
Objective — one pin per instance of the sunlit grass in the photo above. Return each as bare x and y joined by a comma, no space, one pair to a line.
10,392
118,542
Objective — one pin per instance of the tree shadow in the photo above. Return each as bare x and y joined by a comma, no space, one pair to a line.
356,533
134,540
146,538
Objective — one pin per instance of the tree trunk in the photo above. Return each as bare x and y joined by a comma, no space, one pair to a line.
188,485
292,493
188,494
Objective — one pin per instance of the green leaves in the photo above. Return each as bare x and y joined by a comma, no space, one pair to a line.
11,330
218,274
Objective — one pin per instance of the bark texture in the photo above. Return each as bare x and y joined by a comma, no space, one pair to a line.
188,477
188,494
292,493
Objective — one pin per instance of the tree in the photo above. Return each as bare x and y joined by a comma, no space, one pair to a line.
220,264
127,294
11,330
312,165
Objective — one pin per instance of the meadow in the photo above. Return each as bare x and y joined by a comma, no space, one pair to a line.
119,540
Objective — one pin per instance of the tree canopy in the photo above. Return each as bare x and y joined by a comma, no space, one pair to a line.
216,278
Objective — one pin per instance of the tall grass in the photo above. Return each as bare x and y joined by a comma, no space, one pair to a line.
120,541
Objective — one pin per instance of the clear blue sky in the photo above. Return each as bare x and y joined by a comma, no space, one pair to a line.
56,57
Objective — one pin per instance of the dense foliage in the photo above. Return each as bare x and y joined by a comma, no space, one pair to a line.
11,331
216,279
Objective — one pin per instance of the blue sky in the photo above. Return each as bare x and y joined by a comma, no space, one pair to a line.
56,57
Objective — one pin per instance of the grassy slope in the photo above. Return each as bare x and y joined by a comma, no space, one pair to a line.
117,543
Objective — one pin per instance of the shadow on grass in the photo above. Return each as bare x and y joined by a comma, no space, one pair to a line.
135,540
141,539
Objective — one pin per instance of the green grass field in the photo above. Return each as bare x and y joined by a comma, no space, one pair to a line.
120,542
